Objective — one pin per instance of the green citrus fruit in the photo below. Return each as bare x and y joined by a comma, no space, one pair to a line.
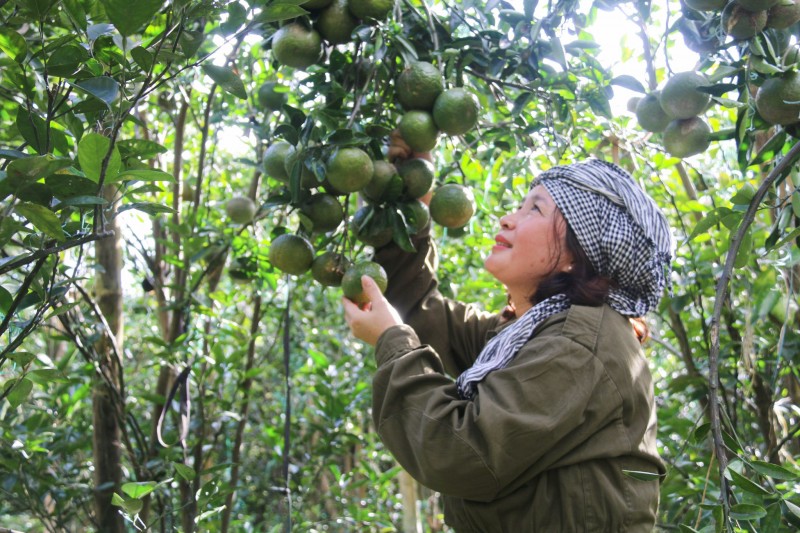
455,111
452,205
419,130
379,188
650,115
271,99
757,5
335,23
349,169
316,4
680,98
706,5
274,162
418,86
324,211
241,209
296,46
291,254
371,225
686,137
351,282
782,15
742,24
371,9
777,99
417,215
417,177
328,268
296,158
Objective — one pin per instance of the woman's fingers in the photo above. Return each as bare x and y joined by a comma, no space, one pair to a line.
376,316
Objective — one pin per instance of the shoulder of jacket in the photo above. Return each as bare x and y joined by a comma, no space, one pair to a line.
586,324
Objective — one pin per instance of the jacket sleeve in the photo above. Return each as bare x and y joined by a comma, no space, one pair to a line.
456,331
524,418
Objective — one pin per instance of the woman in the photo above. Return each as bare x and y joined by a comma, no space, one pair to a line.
551,407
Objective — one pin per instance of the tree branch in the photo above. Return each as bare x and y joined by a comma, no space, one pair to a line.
39,254
784,165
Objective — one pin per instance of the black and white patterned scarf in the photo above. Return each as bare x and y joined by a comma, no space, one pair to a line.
625,236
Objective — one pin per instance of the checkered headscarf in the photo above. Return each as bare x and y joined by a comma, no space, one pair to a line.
621,229
625,236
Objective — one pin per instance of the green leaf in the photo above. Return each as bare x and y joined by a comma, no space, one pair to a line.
143,58
705,224
6,300
642,476
226,78
43,376
687,529
139,489
141,148
38,8
20,391
91,151
103,88
796,203
146,174
131,506
131,17
14,45
33,129
22,358
744,195
186,472
745,249
146,207
276,12
42,218
747,511
66,60
400,232
745,484
68,185
31,169
773,471
794,509
629,82
82,201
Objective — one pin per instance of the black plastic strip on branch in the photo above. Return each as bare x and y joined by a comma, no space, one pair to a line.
781,170
287,423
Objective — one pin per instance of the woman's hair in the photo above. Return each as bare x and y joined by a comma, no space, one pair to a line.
581,284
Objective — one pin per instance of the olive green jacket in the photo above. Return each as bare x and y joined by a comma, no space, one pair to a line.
545,444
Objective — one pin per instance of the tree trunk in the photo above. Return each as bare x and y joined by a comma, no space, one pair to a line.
107,390
408,491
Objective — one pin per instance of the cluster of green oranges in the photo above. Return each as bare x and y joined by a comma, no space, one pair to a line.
389,195
299,44
744,19
430,108
676,112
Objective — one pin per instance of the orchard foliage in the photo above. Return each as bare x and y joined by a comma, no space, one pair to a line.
228,394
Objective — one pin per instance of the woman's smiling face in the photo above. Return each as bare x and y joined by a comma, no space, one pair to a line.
529,247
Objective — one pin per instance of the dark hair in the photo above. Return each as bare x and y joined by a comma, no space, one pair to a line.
581,284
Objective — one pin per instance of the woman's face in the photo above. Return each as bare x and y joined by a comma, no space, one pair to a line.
530,246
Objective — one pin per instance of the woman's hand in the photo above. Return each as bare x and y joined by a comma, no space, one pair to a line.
375,317
399,150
